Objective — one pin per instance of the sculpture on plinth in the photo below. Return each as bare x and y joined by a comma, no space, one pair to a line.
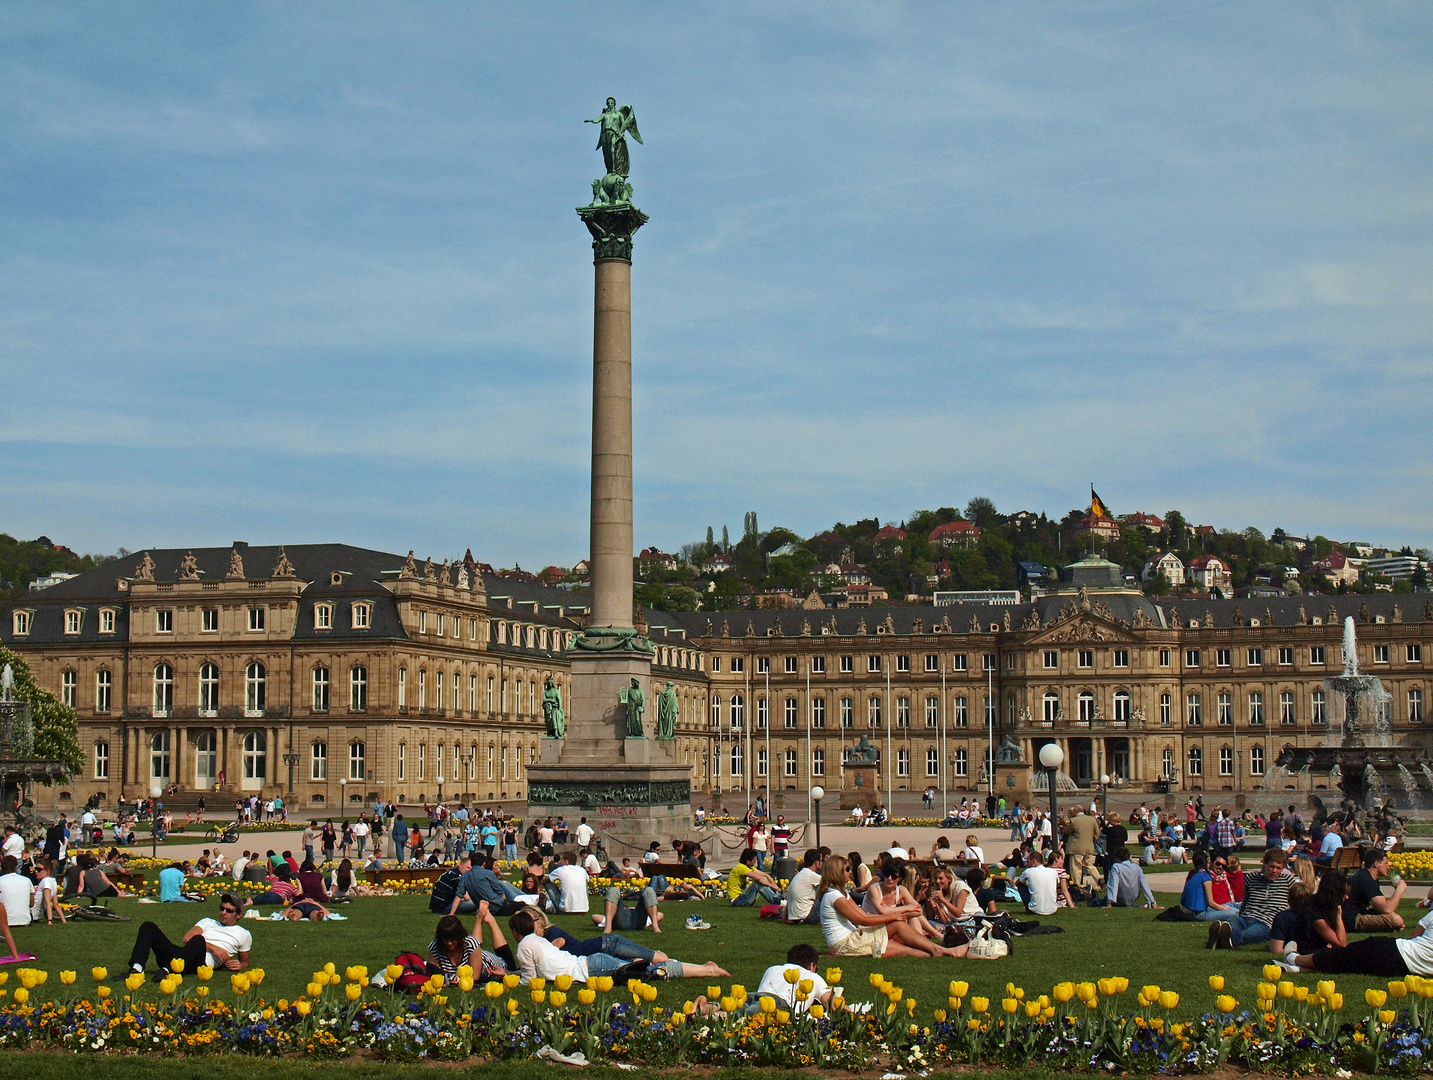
667,710
552,710
615,122
633,701
863,753
7,683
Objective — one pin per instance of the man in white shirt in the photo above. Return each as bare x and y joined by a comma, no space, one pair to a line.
220,943
539,958
14,892
801,893
1039,886
567,887
239,865
773,984
895,851
361,830
585,833
592,865
14,844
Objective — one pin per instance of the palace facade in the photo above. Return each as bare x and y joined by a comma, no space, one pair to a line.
343,675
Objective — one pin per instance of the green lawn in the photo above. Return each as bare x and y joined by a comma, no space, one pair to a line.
1097,942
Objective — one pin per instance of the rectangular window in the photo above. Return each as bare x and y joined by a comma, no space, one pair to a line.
1287,715
818,712
989,661
1286,655
1415,706
962,762
789,709
1166,711
1052,658
1318,708
903,663
1191,657
21,623
106,620
789,763
101,761
422,761
1223,657
962,712
903,762
818,665
104,687
848,665
1087,658
763,665
1192,710
1316,654
1256,707
68,681
209,620
738,664
873,712
1255,657
362,616
358,690
1226,709
320,689
903,712
1414,654
322,617
1256,760
318,761
164,621
1121,658
1380,654
761,714
402,761
1226,761
1164,658
256,618
873,663
932,662
848,712
472,694
818,762
791,666
716,663
959,662
761,761
932,712
932,762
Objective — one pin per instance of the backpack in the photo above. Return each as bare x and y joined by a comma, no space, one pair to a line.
415,972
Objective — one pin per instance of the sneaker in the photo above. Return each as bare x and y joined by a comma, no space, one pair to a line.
1291,950
1288,966
696,922
1226,936
1212,942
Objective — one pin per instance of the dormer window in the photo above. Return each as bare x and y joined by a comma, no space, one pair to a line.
323,617
20,624
74,619
362,616
106,620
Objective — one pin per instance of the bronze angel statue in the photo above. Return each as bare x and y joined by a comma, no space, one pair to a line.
615,123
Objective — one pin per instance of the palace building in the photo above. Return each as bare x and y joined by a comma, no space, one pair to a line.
343,675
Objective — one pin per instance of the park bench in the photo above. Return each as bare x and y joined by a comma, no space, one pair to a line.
404,873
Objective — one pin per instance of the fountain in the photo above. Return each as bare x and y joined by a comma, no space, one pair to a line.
1361,759
1040,781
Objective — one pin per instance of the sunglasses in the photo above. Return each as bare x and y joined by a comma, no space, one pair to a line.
230,910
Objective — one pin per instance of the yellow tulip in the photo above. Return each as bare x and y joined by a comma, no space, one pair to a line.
557,999
314,989
103,992
1064,991
240,983
979,1004
1032,1009
833,976
895,994
353,991
1216,982
21,995
1286,989
167,986
791,975
538,996
602,984
4,977
1385,1016
1301,993
782,1016
177,965
1375,998
817,1012
728,1004
329,968
135,981
768,1004
563,983
1326,988
806,986
911,1006
303,1008
205,972
1397,989
838,1002
1122,984
99,974
586,996
465,985
494,990
1272,972
973,1024
512,1006
713,993
1335,1002
68,978
891,1009
513,980
1168,999
394,972
1009,1004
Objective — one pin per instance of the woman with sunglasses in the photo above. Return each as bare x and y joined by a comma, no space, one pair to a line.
1197,899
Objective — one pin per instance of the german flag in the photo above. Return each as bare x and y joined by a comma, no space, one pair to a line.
1098,507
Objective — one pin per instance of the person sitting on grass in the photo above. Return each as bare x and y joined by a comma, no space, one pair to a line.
1126,883
1291,927
310,883
1039,887
1197,898
171,886
1265,895
801,894
850,931
746,885
889,894
341,882
281,889
539,958
452,947
617,916
1382,957
1367,910
566,886
46,903
775,983
94,883
217,943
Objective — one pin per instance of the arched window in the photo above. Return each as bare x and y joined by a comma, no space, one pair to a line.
356,770
736,759
358,688
1087,707
206,760
932,712
320,689
159,756
163,690
492,754
438,690
873,712
1166,710
403,688
1052,707
69,681
318,761
101,760
422,689
1256,760
716,710
208,689
1167,764
254,689
738,712
256,764
104,688
1196,761
1122,710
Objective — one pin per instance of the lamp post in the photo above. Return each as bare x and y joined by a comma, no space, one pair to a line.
1052,757
291,759
1104,794
440,786
817,794
154,792
343,795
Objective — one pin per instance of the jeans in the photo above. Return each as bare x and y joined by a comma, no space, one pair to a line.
626,918
754,892
1215,915
1246,931
761,860
362,843
510,851
151,939
613,945
604,964
308,852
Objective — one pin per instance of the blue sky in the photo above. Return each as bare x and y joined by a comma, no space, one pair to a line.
295,273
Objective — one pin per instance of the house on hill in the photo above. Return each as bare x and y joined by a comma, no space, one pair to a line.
1168,564
955,534
1212,573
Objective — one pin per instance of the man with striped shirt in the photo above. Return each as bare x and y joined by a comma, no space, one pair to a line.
1265,895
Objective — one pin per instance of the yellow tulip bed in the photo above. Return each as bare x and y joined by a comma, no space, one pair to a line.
1106,1025
1415,865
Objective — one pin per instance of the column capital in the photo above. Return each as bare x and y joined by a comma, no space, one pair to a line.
612,228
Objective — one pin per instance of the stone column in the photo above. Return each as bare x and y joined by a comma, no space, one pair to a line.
612,444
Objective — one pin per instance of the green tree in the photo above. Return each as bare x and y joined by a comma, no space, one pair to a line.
57,731
982,511
1177,529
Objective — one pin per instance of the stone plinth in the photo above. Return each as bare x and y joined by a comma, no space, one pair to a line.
862,786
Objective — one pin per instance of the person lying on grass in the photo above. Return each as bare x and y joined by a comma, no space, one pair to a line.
850,931
539,958
452,947
1383,957
218,943
611,944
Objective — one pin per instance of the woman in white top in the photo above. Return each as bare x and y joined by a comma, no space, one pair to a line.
973,849
849,931
47,895
889,894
